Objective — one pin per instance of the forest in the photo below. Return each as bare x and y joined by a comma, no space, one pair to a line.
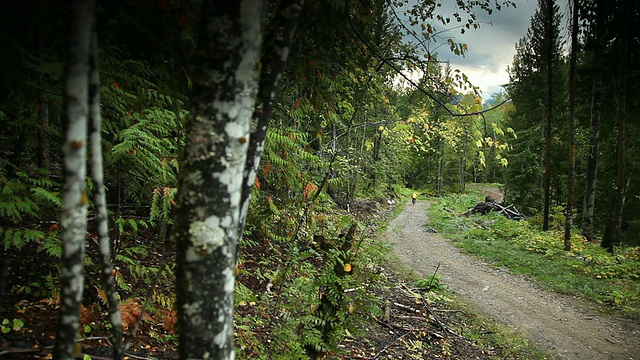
164,162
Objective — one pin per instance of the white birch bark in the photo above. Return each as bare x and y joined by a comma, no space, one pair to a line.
223,147
73,213
224,71
100,202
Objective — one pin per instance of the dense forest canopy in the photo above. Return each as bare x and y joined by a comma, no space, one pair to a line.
324,127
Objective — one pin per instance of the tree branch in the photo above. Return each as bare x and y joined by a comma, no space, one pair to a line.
276,51
411,82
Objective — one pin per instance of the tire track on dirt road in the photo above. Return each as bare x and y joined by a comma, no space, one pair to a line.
566,327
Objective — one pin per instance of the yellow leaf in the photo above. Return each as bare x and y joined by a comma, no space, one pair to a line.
347,267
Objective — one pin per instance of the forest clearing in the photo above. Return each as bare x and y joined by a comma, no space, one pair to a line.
207,179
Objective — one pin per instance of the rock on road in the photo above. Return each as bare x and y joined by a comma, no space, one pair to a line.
566,327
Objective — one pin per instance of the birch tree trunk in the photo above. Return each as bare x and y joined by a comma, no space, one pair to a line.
73,212
277,41
100,202
225,137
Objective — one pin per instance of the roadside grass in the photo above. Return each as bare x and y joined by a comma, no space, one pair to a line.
492,335
587,271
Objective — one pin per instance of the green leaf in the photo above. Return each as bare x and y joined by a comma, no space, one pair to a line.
17,324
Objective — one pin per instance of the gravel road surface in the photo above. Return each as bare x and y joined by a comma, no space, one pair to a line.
567,327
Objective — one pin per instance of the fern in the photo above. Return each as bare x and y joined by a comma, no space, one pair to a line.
45,195
120,281
162,203
53,247
22,199
131,225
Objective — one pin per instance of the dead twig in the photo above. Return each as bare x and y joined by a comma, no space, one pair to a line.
406,307
9,351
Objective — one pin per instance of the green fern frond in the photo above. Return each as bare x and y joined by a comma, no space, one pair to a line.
46,196
53,247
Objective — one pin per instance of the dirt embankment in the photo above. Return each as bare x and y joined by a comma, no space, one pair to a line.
567,327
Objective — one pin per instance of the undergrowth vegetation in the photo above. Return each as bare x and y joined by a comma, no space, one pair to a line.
588,270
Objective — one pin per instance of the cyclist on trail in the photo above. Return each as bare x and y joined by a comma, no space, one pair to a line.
414,197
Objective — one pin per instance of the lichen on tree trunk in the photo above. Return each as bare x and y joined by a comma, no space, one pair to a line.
224,70
234,79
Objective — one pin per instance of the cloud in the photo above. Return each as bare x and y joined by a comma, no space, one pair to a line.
491,47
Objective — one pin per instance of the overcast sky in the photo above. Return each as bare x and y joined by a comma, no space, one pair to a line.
491,47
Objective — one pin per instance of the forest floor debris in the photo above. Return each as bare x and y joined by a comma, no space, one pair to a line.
490,204
411,328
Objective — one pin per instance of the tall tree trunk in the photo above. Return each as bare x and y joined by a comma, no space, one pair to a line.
614,237
594,140
440,167
225,76
100,201
43,105
73,212
548,115
463,161
215,171
43,145
377,145
572,128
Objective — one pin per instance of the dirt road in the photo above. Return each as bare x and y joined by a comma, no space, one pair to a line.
566,327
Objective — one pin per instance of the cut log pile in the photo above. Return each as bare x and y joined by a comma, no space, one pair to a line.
490,204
